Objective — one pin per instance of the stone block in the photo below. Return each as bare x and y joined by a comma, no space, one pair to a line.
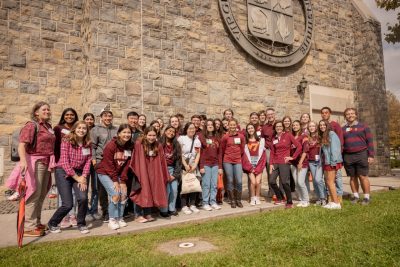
48,25
108,40
128,64
152,22
117,74
54,36
173,81
133,88
11,84
10,4
165,101
17,58
29,87
182,23
220,92
151,42
150,98
107,94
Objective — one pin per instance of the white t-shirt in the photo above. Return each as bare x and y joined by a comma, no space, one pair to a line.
186,144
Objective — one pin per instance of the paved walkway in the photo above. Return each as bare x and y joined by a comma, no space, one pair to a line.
8,221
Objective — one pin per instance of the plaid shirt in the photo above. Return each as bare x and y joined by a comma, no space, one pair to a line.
72,157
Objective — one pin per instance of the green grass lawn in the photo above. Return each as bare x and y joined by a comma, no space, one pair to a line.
354,236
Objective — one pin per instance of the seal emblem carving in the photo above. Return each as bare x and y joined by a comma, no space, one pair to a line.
278,33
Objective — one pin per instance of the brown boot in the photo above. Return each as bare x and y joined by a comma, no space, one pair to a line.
238,198
231,199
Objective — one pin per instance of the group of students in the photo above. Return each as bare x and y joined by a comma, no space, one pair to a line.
138,168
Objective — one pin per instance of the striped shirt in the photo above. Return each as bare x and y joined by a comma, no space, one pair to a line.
74,157
358,137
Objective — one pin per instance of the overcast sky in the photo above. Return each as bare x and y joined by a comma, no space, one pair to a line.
391,52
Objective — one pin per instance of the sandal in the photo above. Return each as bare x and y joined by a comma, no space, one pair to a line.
149,218
141,219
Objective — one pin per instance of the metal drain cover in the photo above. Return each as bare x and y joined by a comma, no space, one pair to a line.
186,245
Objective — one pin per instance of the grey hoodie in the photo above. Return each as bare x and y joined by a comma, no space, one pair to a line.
101,135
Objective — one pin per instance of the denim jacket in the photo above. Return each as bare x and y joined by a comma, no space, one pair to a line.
332,152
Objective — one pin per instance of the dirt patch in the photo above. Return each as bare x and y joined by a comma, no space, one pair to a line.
185,246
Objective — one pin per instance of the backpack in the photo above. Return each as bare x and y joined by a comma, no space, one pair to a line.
15,141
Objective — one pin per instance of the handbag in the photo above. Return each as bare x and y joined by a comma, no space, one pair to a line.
190,151
190,183
220,183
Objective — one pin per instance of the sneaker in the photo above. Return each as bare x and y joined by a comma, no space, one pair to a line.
303,204
332,206
73,221
354,200
54,229
105,218
257,201
279,202
252,201
173,213
113,224
13,197
215,206
186,210
34,233
42,227
206,207
365,201
165,215
288,206
65,223
194,209
122,223
83,229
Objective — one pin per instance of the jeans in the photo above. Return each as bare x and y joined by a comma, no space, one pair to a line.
339,183
94,198
300,177
234,173
209,185
73,210
115,208
283,171
65,185
318,179
172,192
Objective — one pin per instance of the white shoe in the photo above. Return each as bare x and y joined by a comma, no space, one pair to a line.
300,205
257,201
194,209
13,197
122,223
215,206
252,201
306,204
206,207
332,206
186,210
113,224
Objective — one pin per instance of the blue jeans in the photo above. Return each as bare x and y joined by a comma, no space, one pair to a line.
209,185
172,192
300,177
59,175
318,179
233,172
339,183
115,208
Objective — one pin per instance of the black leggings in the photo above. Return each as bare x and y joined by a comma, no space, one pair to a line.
283,171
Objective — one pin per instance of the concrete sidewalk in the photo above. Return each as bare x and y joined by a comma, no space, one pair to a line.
8,221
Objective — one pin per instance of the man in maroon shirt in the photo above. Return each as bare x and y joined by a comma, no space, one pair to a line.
196,120
326,115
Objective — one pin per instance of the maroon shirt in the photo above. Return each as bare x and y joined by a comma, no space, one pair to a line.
59,131
281,147
210,153
303,140
267,132
45,139
253,147
169,154
115,161
338,130
314,149
231,151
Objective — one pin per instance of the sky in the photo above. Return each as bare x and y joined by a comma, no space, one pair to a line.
391,52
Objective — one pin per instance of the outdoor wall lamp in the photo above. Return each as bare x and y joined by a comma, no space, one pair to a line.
301,87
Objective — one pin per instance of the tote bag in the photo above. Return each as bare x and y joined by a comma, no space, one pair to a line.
190,183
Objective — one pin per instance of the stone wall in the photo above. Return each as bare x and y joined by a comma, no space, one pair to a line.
160,57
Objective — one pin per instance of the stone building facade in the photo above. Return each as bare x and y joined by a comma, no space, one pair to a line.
160,57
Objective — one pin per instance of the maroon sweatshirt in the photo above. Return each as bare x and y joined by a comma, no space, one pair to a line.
232,148
114,162
210,151
303,140
281,147
267,132
314,149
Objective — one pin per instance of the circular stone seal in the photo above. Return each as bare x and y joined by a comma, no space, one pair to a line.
186,245
278,32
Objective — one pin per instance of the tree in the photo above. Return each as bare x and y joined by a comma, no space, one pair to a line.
394,121
394,30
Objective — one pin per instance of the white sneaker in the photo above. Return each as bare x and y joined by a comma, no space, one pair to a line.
306,204
252,201
113,224
215,206
206,207
258,201
13,197
300,205
194,209
186,210
332,206
122,223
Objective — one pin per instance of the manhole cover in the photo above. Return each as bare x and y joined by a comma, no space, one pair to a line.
193,245
186,245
